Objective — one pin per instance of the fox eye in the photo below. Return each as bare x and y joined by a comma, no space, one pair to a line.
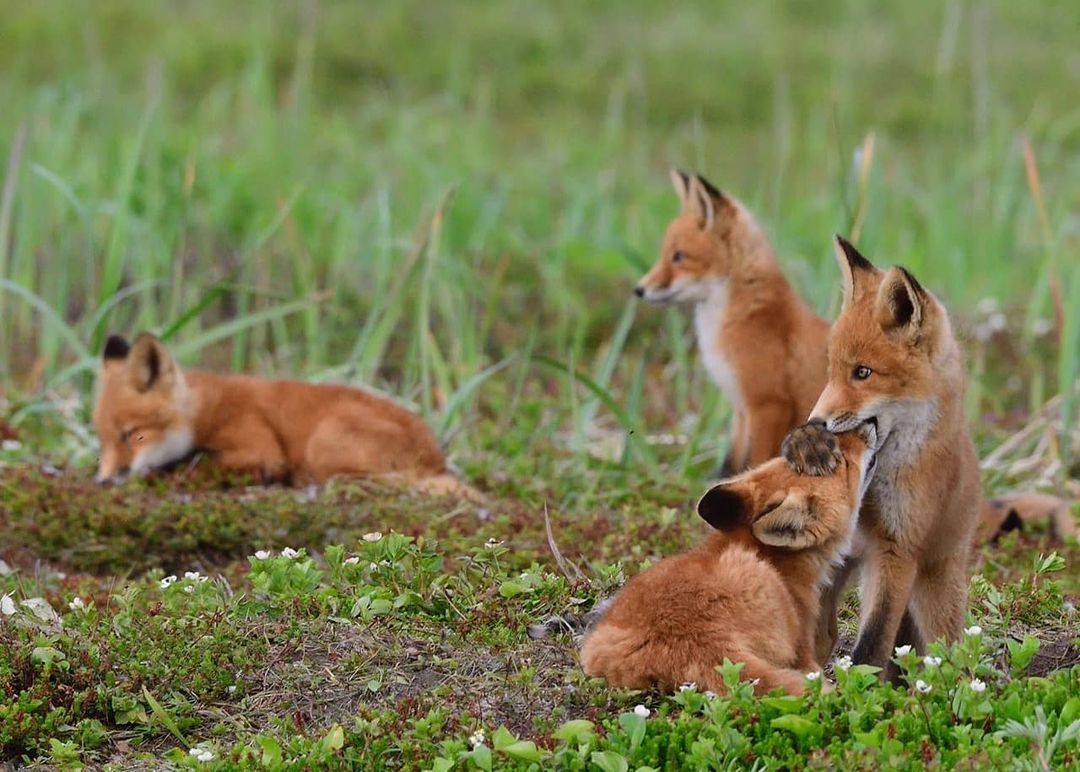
678,257
861,373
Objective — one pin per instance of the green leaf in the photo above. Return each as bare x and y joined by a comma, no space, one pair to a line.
784,705
164,718
634,726
1070,711
1021,654
525,750
609,761
271,751
501,738
797,725
511,589
572,730
442,765
481,756
335,738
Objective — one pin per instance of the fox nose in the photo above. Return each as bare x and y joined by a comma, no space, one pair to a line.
639,291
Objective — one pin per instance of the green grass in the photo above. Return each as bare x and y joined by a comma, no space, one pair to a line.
451,203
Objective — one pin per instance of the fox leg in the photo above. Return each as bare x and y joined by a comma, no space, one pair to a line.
256,450
766,426
940,599
827,631
888,580
908,634
738,447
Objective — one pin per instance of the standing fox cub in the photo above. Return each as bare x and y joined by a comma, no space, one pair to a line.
761,343
893,360
750,591
150,413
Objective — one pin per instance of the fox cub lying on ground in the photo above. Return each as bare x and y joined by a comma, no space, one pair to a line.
750,591
762,345
150,413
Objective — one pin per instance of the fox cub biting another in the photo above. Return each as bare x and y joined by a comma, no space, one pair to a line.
750,591
894,360
761,344
150,413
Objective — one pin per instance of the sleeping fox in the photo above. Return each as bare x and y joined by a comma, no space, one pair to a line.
150,414
761,344
750,591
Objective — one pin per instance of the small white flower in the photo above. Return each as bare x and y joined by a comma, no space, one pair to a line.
476,738
642,711
373,537
813,676
167,581
195,576
923,687
688,687
373,566
289,553
11,445
710,694
902,651
977,686
189,588
7,606
973,630
842,663
76,604
1041,327
491,543
205,755
231,689
262,554
1069,607
352,561
931,661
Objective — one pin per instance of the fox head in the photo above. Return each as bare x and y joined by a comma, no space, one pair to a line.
701,246
798,512
892,354
143,411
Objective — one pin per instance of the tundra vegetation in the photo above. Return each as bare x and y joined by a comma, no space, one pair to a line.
451,203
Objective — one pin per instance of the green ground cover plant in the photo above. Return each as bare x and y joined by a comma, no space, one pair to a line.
450,203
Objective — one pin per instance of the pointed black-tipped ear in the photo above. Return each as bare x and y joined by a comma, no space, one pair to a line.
901,301
680,180
116,347
724,507
712,190
854,268
150,365
701,203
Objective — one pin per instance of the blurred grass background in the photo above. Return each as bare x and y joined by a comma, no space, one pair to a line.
451,202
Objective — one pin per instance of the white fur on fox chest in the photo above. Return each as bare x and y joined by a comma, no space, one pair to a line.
708,317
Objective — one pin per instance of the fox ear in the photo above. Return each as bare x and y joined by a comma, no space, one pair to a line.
680,180
789,524
854,268
901,302
116,347
725,506
150,365
701,202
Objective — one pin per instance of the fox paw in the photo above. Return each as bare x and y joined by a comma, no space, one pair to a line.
811,449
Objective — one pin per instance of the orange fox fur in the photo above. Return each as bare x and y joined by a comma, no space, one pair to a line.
761,344
749,592
893,359
150,413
